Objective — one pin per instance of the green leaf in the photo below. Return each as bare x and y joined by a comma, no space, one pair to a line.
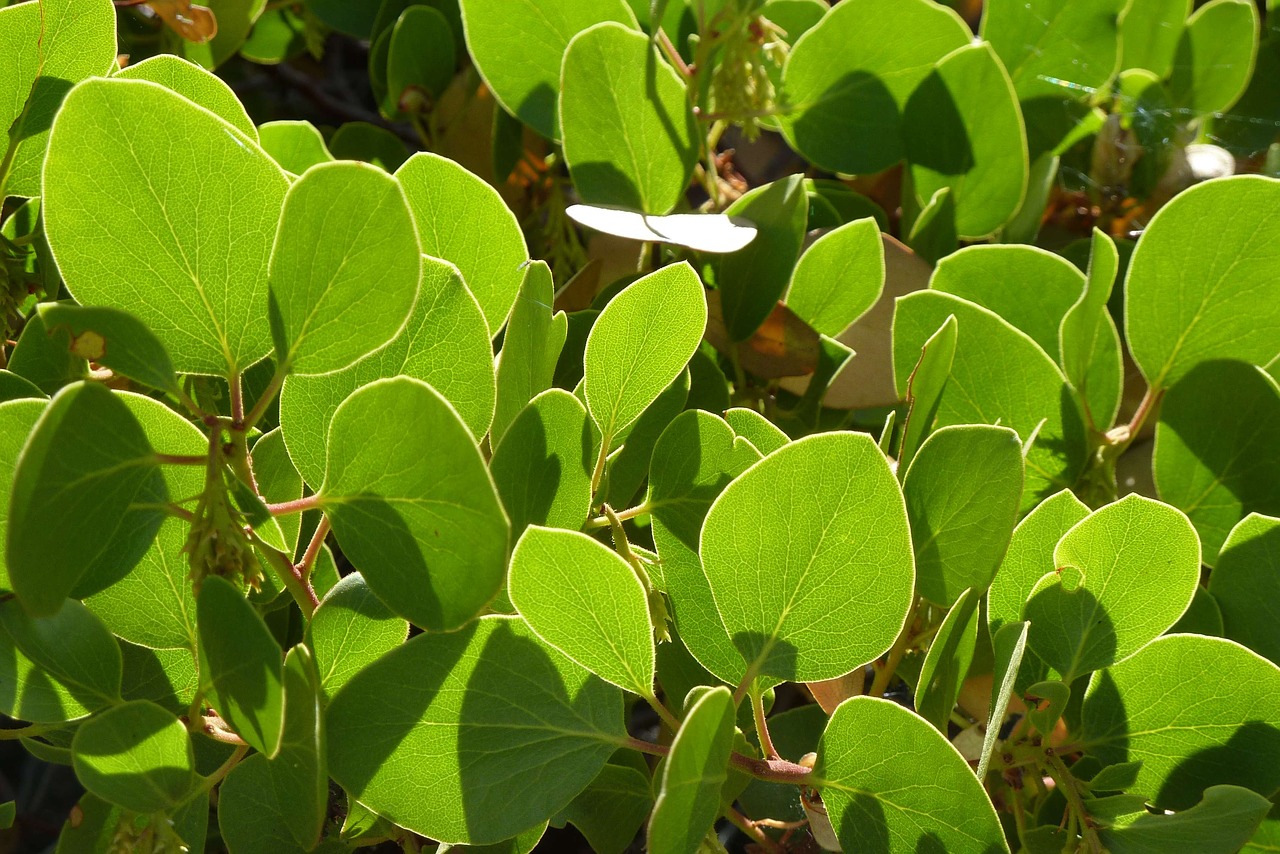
262,796
71,647
278,482
1133,567
1215,448
341,286
753,279
369,143
1246,585
136,755
542,468
998,374
518,47
582,598
412,505
449,754
278,35
1215,56
924,390
44,357
1031,556
689,798
693,461
630,138
1221,823
235,19
166,677
947,662
846,531
762,433
29,693
933,233
445,343
847,105
295,145
350,630
1151,709
535,335
17,418
464,221
962,129
1009,643
630,466
240,665
1089,344
963,492
8,812
1149,33
420,55
195,84
1267,837
838,277
1029,287
14,387
610,810
1047,701
1055,50
626,371
926,798
1185,304
201,290
48,46
114,339
86,467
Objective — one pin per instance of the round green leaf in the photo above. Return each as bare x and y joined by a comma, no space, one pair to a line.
630,138
412,504
195,84
1215,56
1055,49
1149,33
1133,567
693,774
640,343
114,339
1152,709
962,129
1246,585
202,290
136,755
369,143
1215,454
582,598
809,558
17,418
420,54
464,221
847,104
240,665
518,45
838,277
963,491
762,433
891,782
72,647
445,343
87,467
350,630
1204,280
493,734
345,268
295,145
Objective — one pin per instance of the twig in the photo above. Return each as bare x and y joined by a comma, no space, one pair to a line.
336,106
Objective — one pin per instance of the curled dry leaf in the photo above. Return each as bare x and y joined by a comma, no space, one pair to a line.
194,23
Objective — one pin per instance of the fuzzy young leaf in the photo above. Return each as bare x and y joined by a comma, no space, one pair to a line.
947,662
692,776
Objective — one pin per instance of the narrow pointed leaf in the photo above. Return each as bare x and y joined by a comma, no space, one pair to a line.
713,233
924,390
136,755
1089,345
1009,643
530,348
689,798
947,662
350,630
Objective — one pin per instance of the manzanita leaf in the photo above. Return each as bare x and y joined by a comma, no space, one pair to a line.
1184,304
875,806
370,144
1089,344
278,482
630,138
630,466
583,599
839,277
1133,567
201,290
535,334
1246,585
295,145
241,665
29,693
846,530
350,630
420,54
445,343
87,467
166,677
689,797
1215,56
136,755
17,418
1055,49
610,810
1221,823
114,339
846,104
47,47
345,268
963,492
924,391
195,84
765,436
1215,448
450,753
71,646
538,33
711,233
963,129
1149,33
624,371
1150,708
412,504
464,221
1009,644
947,662
44,358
